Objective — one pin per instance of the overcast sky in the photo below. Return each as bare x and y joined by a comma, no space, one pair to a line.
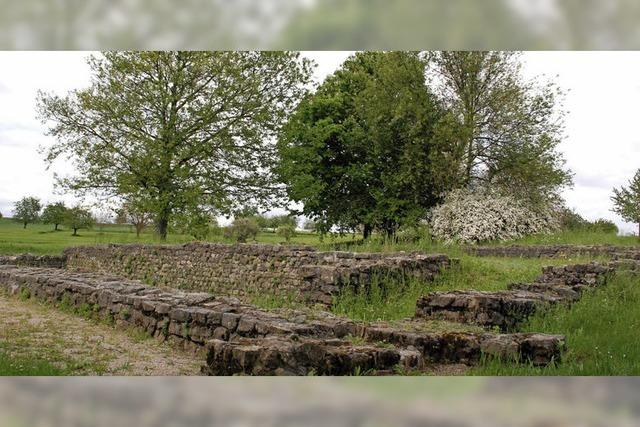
602,144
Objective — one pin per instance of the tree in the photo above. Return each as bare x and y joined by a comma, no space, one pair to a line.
504,130
54,214
242,229
78,218
135,214
286,231
356,152
27,210
626,201
178,131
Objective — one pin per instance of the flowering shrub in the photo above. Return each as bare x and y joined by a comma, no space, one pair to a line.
468,217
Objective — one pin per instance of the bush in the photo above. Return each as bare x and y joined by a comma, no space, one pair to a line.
603,226
286,231
242,229
468,217
413,234
571,220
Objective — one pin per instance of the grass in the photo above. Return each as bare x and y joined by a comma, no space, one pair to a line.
396,300
602,330
40,239
27,366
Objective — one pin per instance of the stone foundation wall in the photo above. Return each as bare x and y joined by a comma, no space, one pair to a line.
28,260
554,251
241,269
507,309
239,338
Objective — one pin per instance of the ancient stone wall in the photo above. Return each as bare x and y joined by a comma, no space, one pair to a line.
507,309
241,269
553,251
239,338
28,260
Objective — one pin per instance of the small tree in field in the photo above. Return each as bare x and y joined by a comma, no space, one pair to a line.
286,231
135,214
27,210
54,214
78,218
626,201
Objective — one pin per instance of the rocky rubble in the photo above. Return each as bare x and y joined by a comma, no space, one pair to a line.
507,309
239,338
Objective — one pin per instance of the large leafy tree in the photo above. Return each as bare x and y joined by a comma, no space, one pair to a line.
626,201
54,213
178,131
504,128
27,210
357,152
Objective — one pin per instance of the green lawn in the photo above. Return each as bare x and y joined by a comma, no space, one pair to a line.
40,239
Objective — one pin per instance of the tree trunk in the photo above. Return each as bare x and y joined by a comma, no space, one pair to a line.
25,225
162,225
366,232
639,231
55,228
75,231
138,230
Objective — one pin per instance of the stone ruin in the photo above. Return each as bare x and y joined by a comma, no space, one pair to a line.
197,301
241,339
508,309
301,271
554,251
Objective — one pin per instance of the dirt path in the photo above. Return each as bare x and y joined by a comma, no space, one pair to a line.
85,347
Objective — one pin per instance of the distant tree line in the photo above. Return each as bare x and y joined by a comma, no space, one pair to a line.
29,210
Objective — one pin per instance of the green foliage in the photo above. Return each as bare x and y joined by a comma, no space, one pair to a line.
135,212
601,330
286,232
572,221
54,214
176,130
78,218
626,201
200,225
242,229
504,129
27,210
356,153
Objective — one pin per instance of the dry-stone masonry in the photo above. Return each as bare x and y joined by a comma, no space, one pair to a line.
28,260
553,251
239,338
241,269
506,309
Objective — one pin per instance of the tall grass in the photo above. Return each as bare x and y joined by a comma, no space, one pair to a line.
602,331
388,300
